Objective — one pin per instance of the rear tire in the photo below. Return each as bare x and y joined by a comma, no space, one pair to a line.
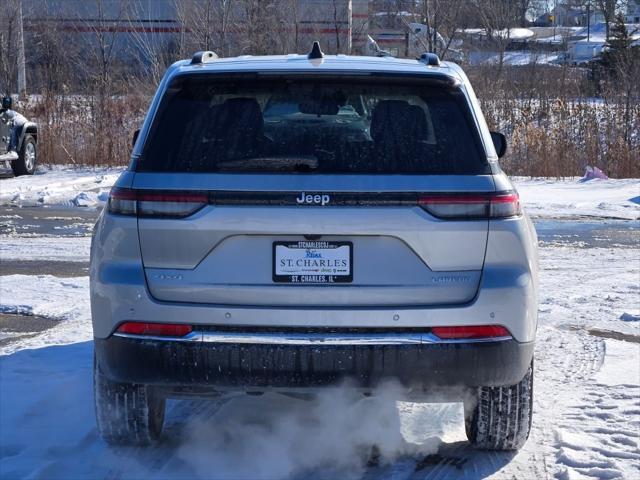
27,158
127,414
501,416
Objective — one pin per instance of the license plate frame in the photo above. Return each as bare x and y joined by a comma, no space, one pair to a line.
312,273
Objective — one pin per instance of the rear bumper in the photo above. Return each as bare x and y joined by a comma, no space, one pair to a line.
176,365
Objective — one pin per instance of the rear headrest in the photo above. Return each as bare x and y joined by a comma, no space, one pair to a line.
418,122
386,116
244,114
212,120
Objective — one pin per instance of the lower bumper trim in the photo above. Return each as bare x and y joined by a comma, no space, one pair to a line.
308,338
254,365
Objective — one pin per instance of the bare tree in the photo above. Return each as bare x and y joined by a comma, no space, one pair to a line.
257,16
207,23
608,9
156,50
523,9
292,18
101,75
340,10
102,34
497,17
9,19
442,19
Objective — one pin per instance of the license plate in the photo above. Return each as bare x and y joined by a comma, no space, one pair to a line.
312,262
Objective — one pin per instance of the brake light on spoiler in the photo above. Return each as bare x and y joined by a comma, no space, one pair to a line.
470,206
165,204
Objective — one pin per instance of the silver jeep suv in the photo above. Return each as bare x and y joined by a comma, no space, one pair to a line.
292,222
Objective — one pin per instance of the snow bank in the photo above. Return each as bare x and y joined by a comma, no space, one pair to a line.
616,369
513,58
59,185
543,198
64,299
574,198
511,33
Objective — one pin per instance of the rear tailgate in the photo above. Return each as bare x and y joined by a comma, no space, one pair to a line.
224,253
277,160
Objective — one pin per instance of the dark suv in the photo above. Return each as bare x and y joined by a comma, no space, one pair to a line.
18,140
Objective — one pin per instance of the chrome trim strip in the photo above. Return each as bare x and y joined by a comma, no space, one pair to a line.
289,338
292,338
431,338
190,337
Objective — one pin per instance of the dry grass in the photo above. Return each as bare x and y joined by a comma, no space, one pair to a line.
83,130
553,129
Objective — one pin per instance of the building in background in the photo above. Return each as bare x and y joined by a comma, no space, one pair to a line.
67,42
633,11
335,23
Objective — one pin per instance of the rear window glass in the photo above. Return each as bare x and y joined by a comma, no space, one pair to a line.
312,126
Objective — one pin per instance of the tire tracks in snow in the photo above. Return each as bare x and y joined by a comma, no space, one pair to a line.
156,461
586,423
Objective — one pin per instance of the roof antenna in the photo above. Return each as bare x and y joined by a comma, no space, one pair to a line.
315,52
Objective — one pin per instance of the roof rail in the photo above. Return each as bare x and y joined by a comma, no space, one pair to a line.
204,56
430,59
315,52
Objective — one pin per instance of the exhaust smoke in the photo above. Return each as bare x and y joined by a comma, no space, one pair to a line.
336,434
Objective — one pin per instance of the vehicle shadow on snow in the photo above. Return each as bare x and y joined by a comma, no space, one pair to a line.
48,430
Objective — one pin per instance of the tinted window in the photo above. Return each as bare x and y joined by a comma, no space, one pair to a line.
312,126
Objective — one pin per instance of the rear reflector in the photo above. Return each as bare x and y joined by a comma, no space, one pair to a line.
480,331
467,206
166,204
155,329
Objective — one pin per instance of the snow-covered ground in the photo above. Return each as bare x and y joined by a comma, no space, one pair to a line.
575,198
61,186
543,198
587,385
513,58
47,296
58,249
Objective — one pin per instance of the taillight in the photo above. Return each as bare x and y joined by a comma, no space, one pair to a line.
471,206
122,201
155,329
167,204
470,332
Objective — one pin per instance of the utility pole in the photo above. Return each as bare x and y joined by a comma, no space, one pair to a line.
22,77
350,27
589,20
